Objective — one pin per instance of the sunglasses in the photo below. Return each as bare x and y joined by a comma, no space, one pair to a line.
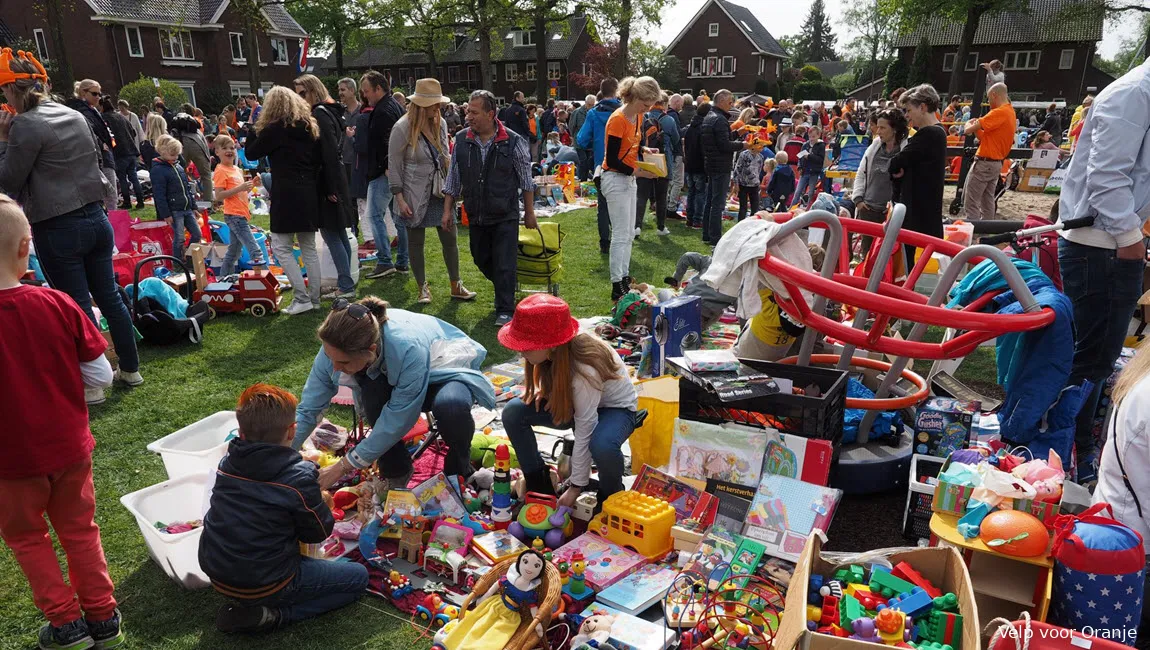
354,309
94,93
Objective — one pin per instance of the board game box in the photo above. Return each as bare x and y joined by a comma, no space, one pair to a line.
785,511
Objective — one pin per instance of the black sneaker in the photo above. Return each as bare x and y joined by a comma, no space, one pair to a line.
107,634
502,319
140,205
401,268
70,636
233,618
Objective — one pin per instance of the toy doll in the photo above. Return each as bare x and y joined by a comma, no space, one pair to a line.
594,632
495,620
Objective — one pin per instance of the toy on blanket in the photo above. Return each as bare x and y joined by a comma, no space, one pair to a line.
542,518
447,549
435,611
496,622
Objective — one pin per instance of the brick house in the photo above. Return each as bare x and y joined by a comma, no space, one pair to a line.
513,62
725,46
198,44
1047,56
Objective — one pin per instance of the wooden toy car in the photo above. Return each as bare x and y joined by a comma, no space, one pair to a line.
257,292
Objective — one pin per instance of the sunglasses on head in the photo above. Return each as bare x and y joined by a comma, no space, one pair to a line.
354,309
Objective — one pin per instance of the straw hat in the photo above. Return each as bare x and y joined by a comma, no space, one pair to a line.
541,321
428,93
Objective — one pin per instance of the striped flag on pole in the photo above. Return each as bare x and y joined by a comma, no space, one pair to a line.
301,64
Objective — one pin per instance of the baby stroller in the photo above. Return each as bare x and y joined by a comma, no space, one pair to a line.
155,323
540,258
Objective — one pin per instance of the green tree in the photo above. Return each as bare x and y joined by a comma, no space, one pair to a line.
1130,52
912,14
792,43
816,40
331,23
58,65
811,73
897,74
648,58
875,33
140,92
627,17
920,64
843,83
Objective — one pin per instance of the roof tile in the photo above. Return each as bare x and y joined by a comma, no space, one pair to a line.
1044,22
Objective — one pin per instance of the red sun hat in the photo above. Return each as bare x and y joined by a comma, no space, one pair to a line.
541,321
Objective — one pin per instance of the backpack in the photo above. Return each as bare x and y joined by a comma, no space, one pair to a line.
653,133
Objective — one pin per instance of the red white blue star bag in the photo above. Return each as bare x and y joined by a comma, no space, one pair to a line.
1098,573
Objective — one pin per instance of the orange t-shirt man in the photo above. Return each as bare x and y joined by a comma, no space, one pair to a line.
996,137
618,126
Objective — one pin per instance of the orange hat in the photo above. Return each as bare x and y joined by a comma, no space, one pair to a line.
6,74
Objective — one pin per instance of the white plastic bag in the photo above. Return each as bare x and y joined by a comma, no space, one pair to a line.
453,353
998,486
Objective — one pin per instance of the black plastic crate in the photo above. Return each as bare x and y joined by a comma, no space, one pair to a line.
811,417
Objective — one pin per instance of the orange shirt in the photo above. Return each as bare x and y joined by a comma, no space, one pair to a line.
628,132
227,177
996,137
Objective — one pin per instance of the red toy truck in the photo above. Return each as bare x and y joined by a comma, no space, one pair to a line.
256,291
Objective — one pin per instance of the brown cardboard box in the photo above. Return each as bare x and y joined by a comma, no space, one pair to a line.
1034,180
942,566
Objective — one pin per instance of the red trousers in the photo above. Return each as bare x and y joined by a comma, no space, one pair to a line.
69,499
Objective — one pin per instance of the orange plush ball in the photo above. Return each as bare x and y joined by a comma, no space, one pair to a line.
1013,532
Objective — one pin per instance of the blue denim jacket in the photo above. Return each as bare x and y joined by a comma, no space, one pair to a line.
407,341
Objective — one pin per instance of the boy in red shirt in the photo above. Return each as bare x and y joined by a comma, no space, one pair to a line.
47,341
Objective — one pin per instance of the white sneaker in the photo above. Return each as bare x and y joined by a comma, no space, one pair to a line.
336,293
94,395
638,231
663,232
298,308
425,294
129,378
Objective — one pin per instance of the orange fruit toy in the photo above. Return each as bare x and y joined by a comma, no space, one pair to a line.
1013,532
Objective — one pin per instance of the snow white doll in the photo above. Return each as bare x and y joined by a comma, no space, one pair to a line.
495,620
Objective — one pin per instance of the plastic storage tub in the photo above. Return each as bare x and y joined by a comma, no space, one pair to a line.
198,447
175,500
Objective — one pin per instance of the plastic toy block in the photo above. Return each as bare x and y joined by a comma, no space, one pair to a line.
891,625
941,627
907,572
914,603
887,585
868,600
931,645
830,611
832,588
849,610
814,612
814,596
946,603
853,573
834,630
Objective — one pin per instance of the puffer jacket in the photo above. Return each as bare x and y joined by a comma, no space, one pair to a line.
593,134
716,140
266,500
170,188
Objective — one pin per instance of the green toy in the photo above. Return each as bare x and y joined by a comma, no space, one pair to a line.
930,645
483,450
946,603
887,585
854,574
850,609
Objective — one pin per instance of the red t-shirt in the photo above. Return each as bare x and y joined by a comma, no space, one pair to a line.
44,336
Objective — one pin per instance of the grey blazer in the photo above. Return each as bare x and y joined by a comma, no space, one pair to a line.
411,170
51,162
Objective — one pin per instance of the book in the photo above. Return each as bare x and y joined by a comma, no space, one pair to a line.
785,511
701,450
638,591
607,562
688,501
631,632
497,545
398,504
437,498
793,456
734,502
716,550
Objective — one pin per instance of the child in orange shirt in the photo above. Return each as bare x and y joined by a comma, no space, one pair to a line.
233,189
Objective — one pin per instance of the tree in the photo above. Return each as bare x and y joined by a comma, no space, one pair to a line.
330,23
647,58
843,83
811,73
816,41
920,64
140,92
625,18
793,45
58,65
876,32
912,14
897,74
1130,52
600,62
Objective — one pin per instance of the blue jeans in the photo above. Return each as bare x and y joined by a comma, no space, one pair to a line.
75,252
807,183
126,174
696,198
318,587
378,200
1105,292
615,426
450,403
241,237
717,185
340,249
183,219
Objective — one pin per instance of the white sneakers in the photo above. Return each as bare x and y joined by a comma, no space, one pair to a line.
93,395
663,232
129,378
297,307
425,294
638,231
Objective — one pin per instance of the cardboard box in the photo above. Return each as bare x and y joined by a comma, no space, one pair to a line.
1034,180
1044,159
942,566
952,498
943,425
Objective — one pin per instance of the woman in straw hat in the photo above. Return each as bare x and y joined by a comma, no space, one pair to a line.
574,381
419,160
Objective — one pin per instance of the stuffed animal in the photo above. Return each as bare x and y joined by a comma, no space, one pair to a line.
595,631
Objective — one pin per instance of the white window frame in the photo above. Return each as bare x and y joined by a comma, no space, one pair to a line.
452,74
554,70
234,39
695,67
524,38
510,71
128,30
1031,59
529,71
174,35
237,88
778,68
762,65
971,62
419,73
948,60
189,87
713,68
723,66
41,39
713,30
279,51
1062,63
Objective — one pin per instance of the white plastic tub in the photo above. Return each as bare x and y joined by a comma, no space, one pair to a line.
174,500
198,447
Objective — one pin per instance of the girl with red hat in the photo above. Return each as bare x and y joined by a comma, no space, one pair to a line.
574,381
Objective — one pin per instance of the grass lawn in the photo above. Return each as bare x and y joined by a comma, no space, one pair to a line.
185,383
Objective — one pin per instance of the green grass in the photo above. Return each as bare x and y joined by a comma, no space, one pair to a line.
185,383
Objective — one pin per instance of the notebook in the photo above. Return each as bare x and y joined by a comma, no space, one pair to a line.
638,591
497,545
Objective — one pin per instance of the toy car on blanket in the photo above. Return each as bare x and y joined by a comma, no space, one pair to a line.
257,292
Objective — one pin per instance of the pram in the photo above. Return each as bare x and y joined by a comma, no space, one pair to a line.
540,261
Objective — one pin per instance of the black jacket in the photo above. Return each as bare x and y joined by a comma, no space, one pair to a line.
124,137
332,180
294,157
266,501
99,129
693,148
547,123
1053,125
717,142
384,115
514,117
923,163
489,187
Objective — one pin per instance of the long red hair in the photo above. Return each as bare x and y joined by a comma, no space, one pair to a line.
552,378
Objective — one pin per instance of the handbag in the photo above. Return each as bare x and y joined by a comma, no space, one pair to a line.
439,178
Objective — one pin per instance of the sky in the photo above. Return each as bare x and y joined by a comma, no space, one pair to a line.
783,17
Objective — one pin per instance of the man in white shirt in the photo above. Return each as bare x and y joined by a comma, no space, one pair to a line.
1102,266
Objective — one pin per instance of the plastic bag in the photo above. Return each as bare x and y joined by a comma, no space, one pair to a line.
453,353
998,486
328,437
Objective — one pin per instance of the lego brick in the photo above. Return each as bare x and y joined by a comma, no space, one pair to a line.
888,585
849,574
830,611
849,610
941,627
946,603
907,572
931,645
913,603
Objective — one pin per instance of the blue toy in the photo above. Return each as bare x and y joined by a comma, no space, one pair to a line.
914,603
816,585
